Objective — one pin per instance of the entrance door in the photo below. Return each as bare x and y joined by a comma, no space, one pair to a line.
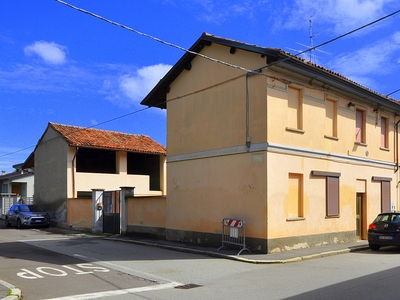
360,211
111,212
15,189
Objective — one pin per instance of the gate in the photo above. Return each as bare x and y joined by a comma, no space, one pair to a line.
111,212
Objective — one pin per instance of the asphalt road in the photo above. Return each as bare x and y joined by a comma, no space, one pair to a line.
50,265
44,274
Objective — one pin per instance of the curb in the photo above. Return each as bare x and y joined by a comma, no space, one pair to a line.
15,294
243,259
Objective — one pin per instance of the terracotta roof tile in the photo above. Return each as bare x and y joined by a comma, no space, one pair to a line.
105,139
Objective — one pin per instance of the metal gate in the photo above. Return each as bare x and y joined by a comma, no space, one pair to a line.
111,212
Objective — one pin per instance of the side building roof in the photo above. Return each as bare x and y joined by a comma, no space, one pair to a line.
105,139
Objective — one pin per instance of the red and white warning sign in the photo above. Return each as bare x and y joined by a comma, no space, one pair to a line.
233,223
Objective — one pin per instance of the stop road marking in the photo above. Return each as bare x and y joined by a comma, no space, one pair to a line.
50,271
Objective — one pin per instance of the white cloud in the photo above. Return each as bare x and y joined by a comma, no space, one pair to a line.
369,60
342,15
137,86
50,52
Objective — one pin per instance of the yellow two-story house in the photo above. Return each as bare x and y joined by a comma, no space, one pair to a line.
303,155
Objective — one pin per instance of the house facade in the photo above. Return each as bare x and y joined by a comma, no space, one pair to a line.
15,187
19,183
303,155
70,162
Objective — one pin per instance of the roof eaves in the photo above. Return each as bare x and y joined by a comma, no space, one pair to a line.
157,97
334,79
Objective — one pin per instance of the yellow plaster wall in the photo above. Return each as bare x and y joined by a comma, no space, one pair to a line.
203,192
206,104
79,213
315,220
147,211
314,123
89,181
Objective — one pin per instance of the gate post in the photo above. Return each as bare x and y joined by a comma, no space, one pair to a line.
97,202
126,192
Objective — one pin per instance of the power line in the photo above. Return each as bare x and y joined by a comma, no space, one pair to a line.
311,49
78,129
202,55
393,92
336,38
155,38
213,59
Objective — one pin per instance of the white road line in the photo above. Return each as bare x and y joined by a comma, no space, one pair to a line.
6,284
120,292
126,270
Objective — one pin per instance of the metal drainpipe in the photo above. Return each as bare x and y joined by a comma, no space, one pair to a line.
73,172
248,139
396,146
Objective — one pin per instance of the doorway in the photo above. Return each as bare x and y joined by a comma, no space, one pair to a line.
361,230
15,189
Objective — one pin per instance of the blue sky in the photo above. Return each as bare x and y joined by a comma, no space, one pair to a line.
60,65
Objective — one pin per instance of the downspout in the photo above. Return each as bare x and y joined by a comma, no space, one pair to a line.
73,172
248,137
266,164
396,145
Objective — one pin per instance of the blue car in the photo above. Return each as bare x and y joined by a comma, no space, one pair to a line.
27,215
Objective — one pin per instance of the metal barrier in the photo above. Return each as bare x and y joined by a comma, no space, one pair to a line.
234,233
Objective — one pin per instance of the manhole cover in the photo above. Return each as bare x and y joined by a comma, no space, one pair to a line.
187,286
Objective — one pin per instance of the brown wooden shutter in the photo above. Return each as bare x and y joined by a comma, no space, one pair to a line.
383,132
332,196
385,195
359,126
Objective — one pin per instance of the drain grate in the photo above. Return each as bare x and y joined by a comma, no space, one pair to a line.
187,286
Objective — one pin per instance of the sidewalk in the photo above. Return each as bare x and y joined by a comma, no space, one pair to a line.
245,256
5,287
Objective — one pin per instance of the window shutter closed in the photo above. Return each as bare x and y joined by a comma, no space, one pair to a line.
359,126
385,195
332,196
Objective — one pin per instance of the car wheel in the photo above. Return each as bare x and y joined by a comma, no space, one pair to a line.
7,223
374,247
19,224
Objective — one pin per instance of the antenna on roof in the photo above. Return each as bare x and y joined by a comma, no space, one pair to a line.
312,56
311,40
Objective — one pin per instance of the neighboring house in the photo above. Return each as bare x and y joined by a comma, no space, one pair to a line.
19,183
303,155
72,161
14,186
